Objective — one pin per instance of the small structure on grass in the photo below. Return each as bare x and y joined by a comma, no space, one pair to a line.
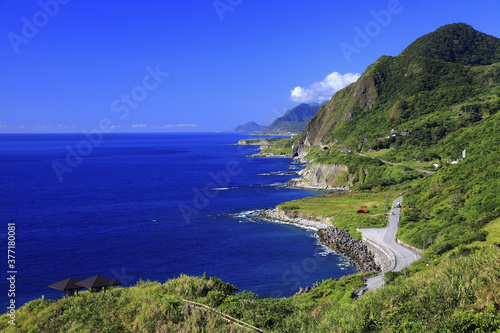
68,284
98,282
361,211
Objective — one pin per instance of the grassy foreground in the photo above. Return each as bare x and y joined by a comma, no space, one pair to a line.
458,293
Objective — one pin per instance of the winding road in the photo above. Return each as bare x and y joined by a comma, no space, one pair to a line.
386,237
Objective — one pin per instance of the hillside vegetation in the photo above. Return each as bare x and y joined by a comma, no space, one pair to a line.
435,101
421,109
458,294
250,126
420,92
293,121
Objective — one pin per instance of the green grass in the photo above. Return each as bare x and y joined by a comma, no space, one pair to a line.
334,292
284,151
455,294
403,158
378,154
341,208
493,229
459,294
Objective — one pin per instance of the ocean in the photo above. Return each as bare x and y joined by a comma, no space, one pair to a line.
151,207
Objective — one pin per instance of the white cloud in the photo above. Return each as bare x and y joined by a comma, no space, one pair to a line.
323,90
41,127
186,125
138,125
178,125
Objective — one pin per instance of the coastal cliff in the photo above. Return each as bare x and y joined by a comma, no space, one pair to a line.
319,176
323,177
271,147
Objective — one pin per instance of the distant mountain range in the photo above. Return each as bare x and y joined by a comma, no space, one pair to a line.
292,122
251,126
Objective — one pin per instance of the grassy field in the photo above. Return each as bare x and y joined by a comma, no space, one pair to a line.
341,208
493,229
387,155
377,154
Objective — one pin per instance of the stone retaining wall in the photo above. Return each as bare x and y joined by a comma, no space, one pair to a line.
409,247
383,256
341,242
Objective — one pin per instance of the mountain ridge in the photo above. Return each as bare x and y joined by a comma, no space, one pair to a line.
294,120
395,92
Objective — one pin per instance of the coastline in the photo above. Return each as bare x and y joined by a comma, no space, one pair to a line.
279,216
320,177
335,239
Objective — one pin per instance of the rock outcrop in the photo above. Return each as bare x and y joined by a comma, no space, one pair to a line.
334,238
300,219
323,177
341,242
299,154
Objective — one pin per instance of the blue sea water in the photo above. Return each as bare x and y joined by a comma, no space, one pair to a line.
150,206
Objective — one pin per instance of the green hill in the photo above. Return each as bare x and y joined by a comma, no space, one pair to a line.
293,121
429,104
250,126
458,43
423,96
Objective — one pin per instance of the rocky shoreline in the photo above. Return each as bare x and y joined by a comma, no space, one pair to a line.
279,215
315,176
334,238
271,155
322,177
340,241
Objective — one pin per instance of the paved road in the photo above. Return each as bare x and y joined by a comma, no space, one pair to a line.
387,237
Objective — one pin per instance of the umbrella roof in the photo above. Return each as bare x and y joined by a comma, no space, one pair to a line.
67,284
97,281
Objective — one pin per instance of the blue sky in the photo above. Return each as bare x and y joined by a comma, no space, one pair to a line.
204,65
